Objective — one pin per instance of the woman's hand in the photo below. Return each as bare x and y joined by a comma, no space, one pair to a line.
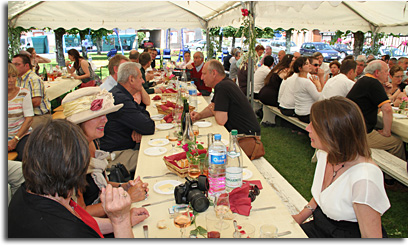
11,145
138,215
67,63
297,218
137,190
116,203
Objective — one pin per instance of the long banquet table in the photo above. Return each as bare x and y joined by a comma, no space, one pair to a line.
59,86
399,127
154,165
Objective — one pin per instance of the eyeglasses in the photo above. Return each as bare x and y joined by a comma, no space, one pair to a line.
254,192
316,65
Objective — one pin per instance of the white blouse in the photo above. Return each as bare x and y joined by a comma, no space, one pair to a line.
306,94
361,183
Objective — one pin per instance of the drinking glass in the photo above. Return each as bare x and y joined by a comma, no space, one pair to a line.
195,129
268,231
182,219
222,208
247,230
173,138
211,226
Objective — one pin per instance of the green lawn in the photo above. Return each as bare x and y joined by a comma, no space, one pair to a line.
290,154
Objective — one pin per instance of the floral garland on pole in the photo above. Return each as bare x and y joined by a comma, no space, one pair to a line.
249,36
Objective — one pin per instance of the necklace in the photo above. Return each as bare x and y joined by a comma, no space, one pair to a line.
335,172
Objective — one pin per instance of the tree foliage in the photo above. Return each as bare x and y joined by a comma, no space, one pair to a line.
14,34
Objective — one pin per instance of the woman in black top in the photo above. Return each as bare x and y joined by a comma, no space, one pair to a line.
268,95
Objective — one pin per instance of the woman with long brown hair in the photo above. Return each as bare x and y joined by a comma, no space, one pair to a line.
348,189
82,68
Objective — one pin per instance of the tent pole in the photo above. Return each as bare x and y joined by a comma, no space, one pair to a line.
251,65
207,40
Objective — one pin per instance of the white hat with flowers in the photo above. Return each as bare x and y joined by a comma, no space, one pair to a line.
88,103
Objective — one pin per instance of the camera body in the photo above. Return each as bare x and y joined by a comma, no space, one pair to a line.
193,191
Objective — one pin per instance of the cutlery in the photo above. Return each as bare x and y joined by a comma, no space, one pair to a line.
236,233
280,234
145,231
265,208
159,202
158,176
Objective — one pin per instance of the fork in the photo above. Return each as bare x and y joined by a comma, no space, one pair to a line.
158,176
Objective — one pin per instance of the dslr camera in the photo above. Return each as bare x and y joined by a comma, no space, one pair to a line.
193,191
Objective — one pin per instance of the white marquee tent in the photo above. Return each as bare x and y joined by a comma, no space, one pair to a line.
379,16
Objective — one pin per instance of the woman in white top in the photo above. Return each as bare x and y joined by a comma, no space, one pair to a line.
307,91
348,190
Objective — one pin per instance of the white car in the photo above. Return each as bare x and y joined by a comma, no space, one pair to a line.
264,41
278,45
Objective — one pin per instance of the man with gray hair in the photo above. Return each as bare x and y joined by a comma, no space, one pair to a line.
369,94
229,105
360,66
196,73
125,127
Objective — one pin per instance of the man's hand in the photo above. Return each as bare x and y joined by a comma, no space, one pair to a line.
384,133
149,76
189,66
136,137
195,116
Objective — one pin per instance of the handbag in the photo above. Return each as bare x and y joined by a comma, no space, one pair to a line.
251,145
118,173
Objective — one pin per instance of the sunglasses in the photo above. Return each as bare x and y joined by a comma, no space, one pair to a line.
254,192
316,65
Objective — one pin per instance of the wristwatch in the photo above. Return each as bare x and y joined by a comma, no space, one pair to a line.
309,207
17,138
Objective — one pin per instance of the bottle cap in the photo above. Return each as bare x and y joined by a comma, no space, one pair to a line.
217,137
234,132
192,82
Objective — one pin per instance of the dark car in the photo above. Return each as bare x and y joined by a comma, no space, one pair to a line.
343,49
329,54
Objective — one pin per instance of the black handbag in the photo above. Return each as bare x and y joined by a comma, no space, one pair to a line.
118,173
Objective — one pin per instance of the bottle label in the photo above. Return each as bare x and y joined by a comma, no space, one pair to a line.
192,92
234,177
217,159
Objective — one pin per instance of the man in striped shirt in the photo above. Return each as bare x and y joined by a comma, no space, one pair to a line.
28,79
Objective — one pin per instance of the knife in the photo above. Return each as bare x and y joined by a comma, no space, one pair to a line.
284,233
159,202
145,231
265,208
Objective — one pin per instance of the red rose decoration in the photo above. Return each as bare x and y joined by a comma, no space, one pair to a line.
96,104
244,12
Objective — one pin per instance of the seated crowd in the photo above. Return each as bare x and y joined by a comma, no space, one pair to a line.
104,125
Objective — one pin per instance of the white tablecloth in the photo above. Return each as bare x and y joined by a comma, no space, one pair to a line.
54,89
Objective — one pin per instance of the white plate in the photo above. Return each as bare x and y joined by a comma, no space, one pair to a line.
155,151
166,187
165,126
395,108
158,142
247,174
157,116
400,116
203,123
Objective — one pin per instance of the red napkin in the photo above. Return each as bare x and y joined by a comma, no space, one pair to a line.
157,97
254,182
163,107
170,104
199,93
180,156
170,91
240,201
168,118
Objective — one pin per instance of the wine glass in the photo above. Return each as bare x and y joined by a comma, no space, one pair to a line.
182,219
173,138
222,208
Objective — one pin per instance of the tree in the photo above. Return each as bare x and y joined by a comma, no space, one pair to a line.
82,33
97,36
230,32
59,34
141,36
14,34
358,43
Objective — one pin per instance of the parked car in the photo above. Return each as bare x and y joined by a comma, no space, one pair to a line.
264,41
196,45
343,49
392,52
329,54
278,45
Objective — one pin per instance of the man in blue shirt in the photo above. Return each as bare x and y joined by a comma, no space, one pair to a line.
124,129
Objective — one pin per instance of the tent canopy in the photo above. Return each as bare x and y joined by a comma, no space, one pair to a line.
380,16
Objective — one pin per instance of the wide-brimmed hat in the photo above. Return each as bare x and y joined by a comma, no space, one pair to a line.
88,103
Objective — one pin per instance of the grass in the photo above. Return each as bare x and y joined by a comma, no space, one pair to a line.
290,154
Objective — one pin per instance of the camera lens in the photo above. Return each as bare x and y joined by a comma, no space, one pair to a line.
198,200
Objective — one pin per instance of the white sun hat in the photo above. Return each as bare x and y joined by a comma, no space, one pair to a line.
88,103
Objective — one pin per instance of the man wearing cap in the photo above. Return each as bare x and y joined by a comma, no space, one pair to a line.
29,80
125,127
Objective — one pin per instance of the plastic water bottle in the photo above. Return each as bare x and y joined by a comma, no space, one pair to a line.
217,166
193,95
234,170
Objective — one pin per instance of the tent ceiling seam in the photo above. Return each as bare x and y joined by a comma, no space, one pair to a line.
356,12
